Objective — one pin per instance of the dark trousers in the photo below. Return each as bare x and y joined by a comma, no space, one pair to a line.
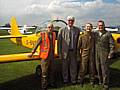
69,67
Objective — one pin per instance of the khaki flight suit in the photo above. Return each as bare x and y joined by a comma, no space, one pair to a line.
86,47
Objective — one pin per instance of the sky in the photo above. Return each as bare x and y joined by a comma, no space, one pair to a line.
33,12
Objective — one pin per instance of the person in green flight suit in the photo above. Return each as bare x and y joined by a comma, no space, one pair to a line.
104,44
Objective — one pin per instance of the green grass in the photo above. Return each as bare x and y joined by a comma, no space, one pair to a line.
7,47
21,75
3,32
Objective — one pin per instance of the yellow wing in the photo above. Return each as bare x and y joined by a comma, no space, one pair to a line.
17,57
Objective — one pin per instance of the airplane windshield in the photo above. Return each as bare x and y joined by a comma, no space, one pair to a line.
57,25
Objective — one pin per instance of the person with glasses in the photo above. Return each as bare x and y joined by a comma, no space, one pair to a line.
67,43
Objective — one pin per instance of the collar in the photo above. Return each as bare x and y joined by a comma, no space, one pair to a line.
69,27
86,33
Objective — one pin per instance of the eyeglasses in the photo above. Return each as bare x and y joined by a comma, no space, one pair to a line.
49,27
71,20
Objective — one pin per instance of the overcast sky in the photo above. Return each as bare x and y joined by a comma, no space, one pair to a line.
33,12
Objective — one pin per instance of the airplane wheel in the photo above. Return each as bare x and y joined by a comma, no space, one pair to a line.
38,71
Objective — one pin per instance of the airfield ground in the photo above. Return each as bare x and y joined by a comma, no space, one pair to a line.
21,75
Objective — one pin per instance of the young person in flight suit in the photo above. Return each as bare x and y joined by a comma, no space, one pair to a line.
86,47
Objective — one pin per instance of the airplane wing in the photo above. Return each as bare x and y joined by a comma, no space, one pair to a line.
27,41
18,57
12,36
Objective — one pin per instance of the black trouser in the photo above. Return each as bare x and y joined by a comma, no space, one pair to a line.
69,67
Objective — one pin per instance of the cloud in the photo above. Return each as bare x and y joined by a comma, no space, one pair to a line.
13,6
63,7
118,1
83,10
90,10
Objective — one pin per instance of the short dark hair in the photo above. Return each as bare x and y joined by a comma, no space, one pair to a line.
101,21
90,24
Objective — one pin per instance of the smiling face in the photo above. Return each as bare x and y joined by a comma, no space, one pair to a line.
88,27
101,26
70,21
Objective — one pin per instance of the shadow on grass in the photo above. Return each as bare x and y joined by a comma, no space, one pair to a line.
114,78
32,82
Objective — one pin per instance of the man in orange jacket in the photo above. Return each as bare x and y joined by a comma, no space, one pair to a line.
46,42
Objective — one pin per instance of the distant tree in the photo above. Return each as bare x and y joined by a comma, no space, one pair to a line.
7,25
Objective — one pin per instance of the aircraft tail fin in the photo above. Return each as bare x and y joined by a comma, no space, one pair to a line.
14,27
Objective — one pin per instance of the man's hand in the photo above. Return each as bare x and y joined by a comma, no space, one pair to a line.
30,55
109,57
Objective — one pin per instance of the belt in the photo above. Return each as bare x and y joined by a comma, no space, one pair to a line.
70,49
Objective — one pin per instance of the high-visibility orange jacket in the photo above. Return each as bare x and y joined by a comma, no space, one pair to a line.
45,44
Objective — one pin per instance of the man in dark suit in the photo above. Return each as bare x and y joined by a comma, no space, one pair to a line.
67,43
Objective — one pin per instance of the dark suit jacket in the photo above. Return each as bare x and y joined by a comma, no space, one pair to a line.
64,40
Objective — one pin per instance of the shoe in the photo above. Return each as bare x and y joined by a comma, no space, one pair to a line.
44,89
81,83
100,83
92,83
105,87
73,83
65,82
51,85
78,81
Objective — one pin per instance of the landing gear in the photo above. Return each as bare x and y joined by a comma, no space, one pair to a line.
38,71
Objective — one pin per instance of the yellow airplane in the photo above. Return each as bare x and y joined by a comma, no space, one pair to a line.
30,40
116,35
26,40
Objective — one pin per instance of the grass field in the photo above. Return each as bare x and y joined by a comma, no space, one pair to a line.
21,75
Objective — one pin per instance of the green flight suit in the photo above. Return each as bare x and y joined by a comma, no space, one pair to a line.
104,44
